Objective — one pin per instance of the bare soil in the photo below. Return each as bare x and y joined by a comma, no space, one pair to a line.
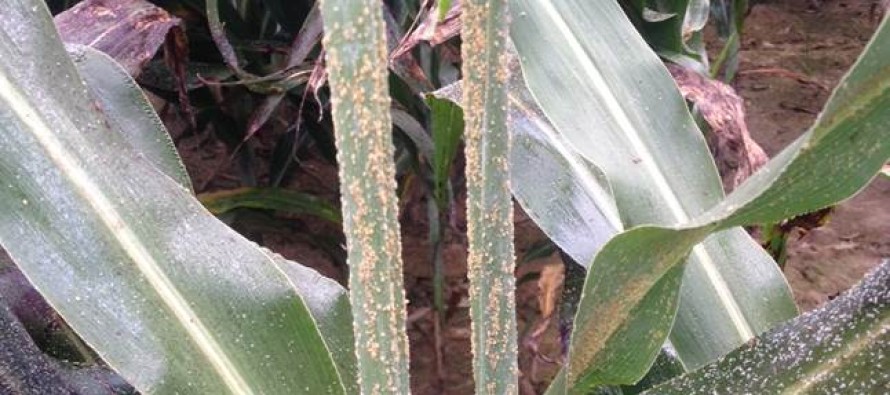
818,45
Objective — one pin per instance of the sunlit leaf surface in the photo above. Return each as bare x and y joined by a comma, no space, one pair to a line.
636,128
841,348
620,110
170,297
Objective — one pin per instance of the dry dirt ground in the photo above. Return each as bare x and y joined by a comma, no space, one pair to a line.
793,54
819,44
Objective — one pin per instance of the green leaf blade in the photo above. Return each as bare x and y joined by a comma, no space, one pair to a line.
170,297
128,110
447,127
637,129
838,348
279,199
847,150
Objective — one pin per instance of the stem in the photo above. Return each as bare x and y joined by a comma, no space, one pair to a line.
489,207
355,44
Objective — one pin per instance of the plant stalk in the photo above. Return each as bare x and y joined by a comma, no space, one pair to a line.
489,207
355,45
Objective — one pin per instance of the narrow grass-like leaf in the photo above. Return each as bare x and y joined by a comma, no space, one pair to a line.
306,39
637,129
355,45
278,199
491,258
840,348
218,33
447,128
170,297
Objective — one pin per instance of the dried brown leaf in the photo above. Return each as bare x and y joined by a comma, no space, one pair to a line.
550,284
431,29
736,154
406,67
130,31
317,79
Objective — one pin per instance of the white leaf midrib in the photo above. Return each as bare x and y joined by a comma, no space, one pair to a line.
613,106
129,242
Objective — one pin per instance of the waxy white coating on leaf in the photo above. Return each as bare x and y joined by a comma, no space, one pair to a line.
840,348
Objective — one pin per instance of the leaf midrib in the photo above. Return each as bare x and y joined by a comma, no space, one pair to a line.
834,361
127,239
724,294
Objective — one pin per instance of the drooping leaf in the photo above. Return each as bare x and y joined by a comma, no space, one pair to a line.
847,146
170,297
637,129
355,48
567,196
130,31
736,154
840,348
490,257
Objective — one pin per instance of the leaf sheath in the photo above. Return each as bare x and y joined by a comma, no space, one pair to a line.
355,45
489,208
